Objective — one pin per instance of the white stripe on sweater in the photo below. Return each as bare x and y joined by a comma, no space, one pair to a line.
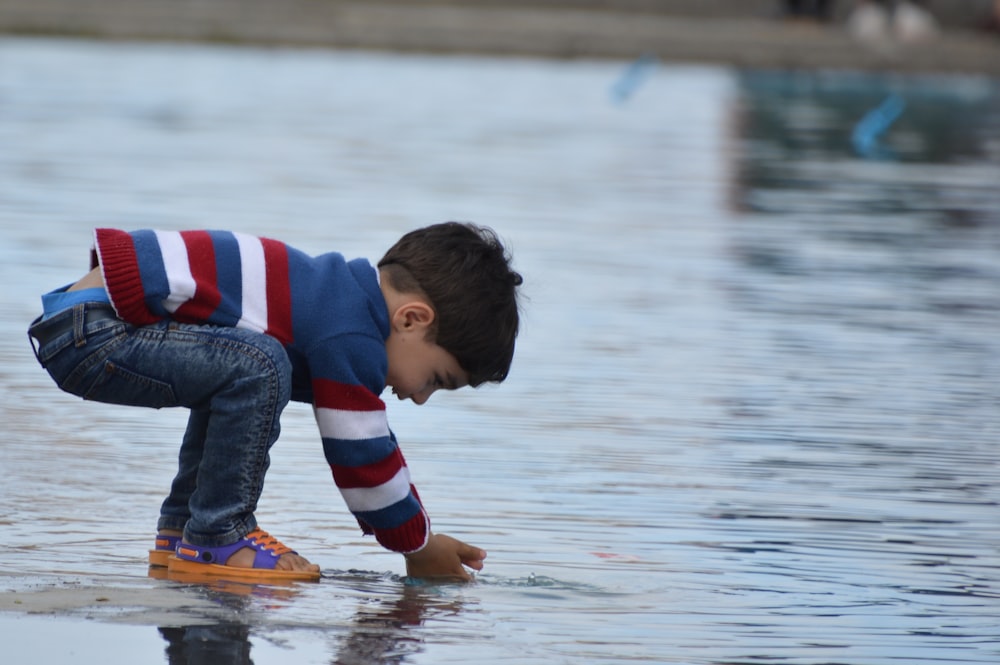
175,262
254,291
362,499
351,425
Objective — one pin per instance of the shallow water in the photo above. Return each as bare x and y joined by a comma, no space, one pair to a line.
754,412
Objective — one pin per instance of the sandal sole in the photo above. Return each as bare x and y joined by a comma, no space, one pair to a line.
160,558
214,570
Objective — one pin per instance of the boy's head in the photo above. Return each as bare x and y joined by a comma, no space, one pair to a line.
464,273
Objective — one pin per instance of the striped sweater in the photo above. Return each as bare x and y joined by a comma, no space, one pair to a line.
330,315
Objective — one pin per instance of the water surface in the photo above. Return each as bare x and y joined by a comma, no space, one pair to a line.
754,412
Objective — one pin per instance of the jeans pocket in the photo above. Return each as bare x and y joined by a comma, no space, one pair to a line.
117,384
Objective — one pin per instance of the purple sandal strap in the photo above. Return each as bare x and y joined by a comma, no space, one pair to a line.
264,558
166,543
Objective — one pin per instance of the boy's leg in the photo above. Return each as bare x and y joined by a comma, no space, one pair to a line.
241,378
242,425
236,382
175,511
235,428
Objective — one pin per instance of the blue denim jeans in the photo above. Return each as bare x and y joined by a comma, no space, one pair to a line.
235,383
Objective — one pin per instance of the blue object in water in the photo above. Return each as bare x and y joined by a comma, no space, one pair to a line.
875,123
633,76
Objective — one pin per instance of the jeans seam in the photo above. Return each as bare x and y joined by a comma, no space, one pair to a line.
263,447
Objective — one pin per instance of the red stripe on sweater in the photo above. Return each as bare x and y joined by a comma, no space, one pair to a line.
201,262
120,267
279,290
329,394
408,536
370,475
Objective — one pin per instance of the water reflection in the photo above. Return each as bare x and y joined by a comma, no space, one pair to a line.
865,378
208,645
946,120
381,630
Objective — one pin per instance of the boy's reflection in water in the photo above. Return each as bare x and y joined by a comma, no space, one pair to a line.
379,633
383,633
221,644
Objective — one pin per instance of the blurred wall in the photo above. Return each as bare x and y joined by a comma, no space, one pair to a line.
957,13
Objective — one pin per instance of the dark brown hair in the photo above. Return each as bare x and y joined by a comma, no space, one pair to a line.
464,272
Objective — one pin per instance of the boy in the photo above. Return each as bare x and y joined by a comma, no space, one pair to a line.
233,327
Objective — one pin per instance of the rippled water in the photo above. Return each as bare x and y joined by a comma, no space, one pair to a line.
755,409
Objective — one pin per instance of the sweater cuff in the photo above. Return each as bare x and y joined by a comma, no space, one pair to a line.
120,268
407,538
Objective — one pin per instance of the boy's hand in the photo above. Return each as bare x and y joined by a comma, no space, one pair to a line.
444,556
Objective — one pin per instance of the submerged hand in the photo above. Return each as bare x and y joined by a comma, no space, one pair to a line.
444,557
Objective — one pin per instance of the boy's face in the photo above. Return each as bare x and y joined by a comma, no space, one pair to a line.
418,366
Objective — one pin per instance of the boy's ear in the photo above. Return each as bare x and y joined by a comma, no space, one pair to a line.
412,315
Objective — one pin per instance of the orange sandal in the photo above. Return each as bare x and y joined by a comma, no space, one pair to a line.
211,561
163,549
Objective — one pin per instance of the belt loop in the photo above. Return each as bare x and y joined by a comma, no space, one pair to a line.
31,340
79,319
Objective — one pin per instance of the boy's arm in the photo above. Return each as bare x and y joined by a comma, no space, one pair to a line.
370,471
367,465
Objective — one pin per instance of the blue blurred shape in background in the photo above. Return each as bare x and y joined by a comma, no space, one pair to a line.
634,76
876,122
